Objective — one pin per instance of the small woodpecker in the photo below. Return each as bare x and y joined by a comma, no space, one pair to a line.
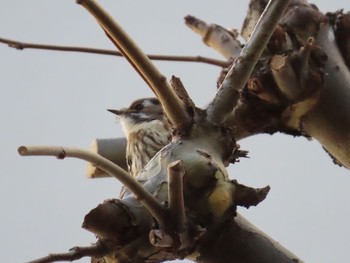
146,129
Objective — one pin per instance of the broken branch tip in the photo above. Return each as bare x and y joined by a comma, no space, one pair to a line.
176,165
22,150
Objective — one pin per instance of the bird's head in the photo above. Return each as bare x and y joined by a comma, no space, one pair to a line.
141,111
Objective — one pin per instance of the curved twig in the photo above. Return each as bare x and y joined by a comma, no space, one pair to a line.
24,45
149,201
172,105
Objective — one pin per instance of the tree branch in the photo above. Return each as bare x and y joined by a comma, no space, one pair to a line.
292,83
112,149
229,91
149,201
246,244
255,9
172,105
176,198
222,40
328,122
96,250
23,45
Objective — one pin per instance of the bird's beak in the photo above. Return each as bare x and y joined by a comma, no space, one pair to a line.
117,112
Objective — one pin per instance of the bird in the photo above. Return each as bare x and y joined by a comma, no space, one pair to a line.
146,129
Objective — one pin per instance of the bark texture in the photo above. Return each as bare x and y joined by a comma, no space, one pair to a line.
295,89
293,79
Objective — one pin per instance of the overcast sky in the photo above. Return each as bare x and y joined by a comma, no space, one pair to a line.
52,98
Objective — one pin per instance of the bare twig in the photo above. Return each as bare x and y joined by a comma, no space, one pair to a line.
130,61
172,105
23,45
228,93
222,40
149,201
75,253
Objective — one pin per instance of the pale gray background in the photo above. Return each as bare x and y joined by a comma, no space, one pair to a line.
61,99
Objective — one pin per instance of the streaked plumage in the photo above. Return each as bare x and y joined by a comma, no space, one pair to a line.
146,131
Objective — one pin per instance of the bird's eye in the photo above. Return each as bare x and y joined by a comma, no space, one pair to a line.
155,101
139,107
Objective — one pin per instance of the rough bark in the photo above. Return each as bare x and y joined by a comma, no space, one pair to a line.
295,88
287,92
219,197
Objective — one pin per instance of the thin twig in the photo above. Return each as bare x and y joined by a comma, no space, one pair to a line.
23,45
130,61
149,201
75,253
229,92
172,105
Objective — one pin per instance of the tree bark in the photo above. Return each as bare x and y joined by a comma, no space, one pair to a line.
294,88
248,243
329,121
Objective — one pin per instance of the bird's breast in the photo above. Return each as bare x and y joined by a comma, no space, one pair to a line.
144,143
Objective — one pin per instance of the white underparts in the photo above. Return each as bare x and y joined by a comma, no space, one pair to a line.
129,126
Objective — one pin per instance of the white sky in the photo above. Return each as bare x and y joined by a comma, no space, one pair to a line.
61,99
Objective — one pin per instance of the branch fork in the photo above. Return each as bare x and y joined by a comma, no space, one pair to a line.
228,94
172,105
175,233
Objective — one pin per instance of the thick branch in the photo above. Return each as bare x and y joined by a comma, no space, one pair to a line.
329,121
172,105
342,35
240,241
150,202
23,45
228,94
112,149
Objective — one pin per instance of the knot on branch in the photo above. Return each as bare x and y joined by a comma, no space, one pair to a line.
303,21
17,45
112,221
